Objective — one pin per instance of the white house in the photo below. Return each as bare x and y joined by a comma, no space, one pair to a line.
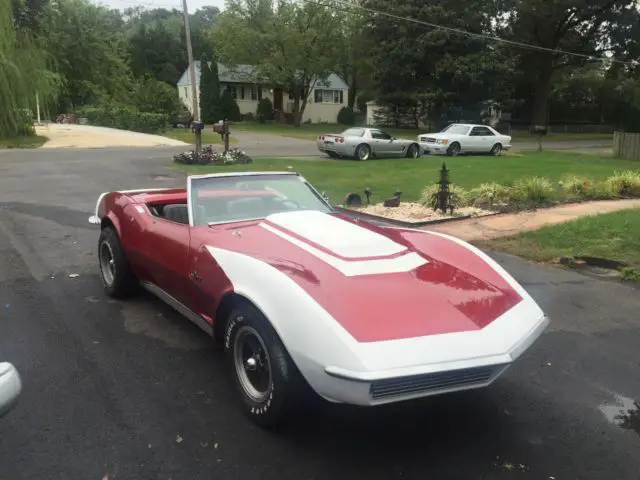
324,103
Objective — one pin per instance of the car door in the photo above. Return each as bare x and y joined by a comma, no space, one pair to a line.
381,142
484,139
166,252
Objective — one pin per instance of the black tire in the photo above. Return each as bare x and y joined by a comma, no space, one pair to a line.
453,150
332,154
496,150
413,151
363,152
276,395
117,278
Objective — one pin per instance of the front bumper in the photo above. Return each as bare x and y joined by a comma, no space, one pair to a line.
10,387
400,384
434,148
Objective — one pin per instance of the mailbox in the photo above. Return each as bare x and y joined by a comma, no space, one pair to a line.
197,127
221,127
539,130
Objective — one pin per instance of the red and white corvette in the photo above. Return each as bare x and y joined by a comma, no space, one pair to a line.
302,296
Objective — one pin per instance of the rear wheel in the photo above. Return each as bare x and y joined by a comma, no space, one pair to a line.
266,379
363,152
117,278
496,150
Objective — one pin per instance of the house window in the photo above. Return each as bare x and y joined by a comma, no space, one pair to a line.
186,92
329,96
259,93
233,91
242,92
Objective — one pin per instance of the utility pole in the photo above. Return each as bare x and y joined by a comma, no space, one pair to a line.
38,107
192,74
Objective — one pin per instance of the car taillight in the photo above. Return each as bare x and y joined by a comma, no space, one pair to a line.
339,140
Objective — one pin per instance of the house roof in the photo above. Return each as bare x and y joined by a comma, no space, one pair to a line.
246,74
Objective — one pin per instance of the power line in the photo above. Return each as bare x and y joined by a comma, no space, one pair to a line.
351,6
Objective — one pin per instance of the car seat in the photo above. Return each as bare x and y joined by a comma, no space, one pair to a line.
176,213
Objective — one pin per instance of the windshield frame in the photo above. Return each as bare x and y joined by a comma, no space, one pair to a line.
195,178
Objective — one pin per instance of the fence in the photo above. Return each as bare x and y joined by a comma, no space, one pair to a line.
626,145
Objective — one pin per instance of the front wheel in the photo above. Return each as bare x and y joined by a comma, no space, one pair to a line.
413,151
267,381
117,278
454,150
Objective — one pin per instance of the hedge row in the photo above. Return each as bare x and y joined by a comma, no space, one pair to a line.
124,118
532,192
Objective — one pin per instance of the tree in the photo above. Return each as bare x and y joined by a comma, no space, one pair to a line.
292,46
578,26
427,71
210,108
229,107
23,73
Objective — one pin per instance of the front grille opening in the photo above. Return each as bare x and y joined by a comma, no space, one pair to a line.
404,386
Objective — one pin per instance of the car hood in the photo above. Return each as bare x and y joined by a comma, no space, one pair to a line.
378,283
441,135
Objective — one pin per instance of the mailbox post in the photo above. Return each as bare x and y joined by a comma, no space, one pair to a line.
222,127
197,128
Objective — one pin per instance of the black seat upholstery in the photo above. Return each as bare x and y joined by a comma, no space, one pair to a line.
176,213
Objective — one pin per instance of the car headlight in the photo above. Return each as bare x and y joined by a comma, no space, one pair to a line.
442,142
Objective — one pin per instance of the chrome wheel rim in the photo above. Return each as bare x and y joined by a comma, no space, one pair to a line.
363,153
107,263
414,152
455,150
497,150
252,364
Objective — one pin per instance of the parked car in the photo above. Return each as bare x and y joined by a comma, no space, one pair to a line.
465,138
366,143
10,387
303,298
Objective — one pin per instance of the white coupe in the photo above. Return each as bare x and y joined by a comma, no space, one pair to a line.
464,138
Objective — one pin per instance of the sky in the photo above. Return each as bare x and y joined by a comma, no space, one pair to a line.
192,5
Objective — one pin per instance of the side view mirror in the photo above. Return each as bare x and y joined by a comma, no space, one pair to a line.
10,387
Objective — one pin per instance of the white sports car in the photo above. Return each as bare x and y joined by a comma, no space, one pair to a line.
464,138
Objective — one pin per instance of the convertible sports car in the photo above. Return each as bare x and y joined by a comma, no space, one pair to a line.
306,299
366,143
464,138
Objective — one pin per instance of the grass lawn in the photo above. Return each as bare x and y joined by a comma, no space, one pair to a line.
311,132
614,236
185,135
339,177
34,141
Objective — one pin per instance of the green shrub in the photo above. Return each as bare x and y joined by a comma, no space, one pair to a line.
124,118
229,107
532,192
577,187
346,116
264,112
459,196
248,117
625,183
489,194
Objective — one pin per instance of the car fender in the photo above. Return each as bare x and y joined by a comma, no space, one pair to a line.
313,339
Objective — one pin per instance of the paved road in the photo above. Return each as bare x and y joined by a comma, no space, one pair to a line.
132,391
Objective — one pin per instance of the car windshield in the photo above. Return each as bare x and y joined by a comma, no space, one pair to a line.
249,197
457,129
353,132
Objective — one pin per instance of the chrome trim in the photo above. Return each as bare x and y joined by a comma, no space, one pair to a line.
178,306
95,218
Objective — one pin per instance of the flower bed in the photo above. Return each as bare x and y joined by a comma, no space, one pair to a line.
210,157
416,212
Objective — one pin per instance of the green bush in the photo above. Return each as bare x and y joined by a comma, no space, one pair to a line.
487,195
229,107
459,196
264,112
532,192
248,117
625,183
346,116
124,118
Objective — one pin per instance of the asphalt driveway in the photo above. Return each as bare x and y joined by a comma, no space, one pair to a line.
132,391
